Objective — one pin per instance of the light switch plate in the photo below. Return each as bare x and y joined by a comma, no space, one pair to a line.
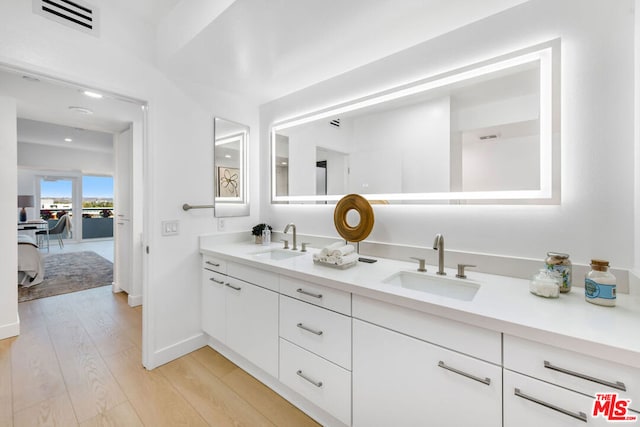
170,228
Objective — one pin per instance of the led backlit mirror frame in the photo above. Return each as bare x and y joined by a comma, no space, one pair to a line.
547,54
227,132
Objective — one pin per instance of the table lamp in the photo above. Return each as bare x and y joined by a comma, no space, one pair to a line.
25,201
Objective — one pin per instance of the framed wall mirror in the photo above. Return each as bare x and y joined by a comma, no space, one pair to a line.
485,133
230,171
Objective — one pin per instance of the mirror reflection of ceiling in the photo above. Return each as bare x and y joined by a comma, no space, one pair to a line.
266,49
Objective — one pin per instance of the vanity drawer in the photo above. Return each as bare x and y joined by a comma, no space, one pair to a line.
461,337
319,295
323,332
325,384
575,371
214,264
265,279
529,402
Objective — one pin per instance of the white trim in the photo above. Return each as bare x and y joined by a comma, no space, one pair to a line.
10,329
174,351
134,300
296,399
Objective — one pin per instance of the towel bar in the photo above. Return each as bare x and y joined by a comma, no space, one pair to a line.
187,207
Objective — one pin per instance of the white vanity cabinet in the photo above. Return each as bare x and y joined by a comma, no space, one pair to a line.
556,387
412,368
315,345
240,314
402,381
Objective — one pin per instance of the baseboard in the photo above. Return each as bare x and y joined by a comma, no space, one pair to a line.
293,397
10,329
134,300
179,349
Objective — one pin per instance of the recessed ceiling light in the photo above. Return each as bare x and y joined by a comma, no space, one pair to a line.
284,163
81,110
227,156
30,78
91,94
68,140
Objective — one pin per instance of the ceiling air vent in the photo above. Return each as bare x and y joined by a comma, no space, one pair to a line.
335,122
72,13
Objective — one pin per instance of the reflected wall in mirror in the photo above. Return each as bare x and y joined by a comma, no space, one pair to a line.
230,174
482,133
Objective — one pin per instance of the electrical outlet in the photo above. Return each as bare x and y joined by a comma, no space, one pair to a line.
170,228
221,224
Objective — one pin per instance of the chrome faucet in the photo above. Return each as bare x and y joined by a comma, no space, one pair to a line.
438,245
292,225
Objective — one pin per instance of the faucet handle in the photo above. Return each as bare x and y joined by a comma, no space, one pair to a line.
304,246
461,268
286,243
421,263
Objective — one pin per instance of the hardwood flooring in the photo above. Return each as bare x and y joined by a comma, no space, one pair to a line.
77,362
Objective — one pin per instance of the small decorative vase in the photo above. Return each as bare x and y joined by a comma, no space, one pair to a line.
258,240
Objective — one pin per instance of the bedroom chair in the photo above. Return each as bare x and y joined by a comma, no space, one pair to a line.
62,226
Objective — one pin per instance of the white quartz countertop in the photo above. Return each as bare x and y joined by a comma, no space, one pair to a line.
502,304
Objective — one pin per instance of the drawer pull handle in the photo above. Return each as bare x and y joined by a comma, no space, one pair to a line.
577,415
309,294
236,288
213,263
219,282
315,383
485,381
617,385
308,329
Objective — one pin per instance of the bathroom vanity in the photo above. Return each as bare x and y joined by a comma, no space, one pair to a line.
381,344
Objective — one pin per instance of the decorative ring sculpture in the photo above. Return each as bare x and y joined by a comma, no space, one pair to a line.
363,228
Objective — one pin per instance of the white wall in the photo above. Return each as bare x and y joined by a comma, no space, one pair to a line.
596,215
9,324
180,130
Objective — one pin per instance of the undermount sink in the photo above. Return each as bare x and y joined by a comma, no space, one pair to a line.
460,289
277,254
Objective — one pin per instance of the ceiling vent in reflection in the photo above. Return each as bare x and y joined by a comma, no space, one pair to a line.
76,14
489,137
335,123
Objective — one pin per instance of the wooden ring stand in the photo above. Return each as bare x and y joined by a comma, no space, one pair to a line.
360,205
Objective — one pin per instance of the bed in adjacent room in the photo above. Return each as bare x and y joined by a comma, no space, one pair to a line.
30,266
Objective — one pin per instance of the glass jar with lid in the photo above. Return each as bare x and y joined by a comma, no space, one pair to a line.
600,284
559,262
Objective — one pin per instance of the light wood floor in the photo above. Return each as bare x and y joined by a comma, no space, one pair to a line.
77,361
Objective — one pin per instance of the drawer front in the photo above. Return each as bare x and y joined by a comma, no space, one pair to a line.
213,304
214,264
319,295
259,277
571,370
532,403
323,383
323,332
468,339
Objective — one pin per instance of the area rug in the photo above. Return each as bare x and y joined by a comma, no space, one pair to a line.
69,272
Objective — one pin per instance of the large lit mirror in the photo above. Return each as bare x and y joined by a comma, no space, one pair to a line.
481,134
230,172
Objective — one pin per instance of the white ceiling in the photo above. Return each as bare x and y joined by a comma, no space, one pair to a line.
45,107
265,49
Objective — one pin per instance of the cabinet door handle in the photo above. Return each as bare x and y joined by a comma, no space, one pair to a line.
237,288
308,329
315,383
617,385
485,381
212,263
577,415
309,294
219,282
